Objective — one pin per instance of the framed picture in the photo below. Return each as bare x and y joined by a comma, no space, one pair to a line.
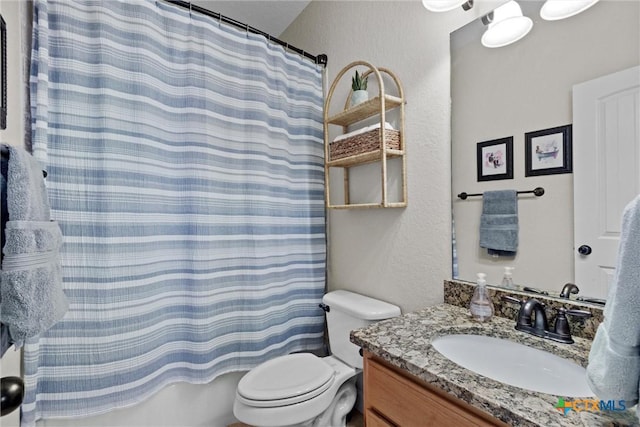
548,151
3,74
495,159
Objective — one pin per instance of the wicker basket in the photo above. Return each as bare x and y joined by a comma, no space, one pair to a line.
363,143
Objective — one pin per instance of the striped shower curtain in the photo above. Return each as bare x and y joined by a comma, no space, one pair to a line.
185,168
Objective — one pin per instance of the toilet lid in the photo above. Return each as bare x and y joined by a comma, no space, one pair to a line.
293,378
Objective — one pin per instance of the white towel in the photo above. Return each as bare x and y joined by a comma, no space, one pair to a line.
613,372
387,126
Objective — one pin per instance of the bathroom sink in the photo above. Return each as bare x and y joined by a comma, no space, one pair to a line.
515,364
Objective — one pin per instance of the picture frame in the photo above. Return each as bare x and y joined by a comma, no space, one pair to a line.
495,159
548,151
3,73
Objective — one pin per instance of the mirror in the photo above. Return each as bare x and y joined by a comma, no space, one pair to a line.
520,88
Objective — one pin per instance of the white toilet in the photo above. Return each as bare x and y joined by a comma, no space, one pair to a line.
302,389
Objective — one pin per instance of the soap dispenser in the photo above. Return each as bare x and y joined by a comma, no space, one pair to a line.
507,279
481,306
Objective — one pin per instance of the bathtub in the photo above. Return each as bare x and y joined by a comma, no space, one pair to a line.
178,405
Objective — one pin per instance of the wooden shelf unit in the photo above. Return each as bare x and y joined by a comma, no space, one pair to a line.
377,106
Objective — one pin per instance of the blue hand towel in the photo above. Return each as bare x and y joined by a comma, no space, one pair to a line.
499,222
31,288
613,372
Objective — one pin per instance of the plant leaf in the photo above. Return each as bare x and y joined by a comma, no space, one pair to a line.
358,83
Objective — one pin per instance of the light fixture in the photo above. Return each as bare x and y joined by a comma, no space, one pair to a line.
553,10
506,25
446,5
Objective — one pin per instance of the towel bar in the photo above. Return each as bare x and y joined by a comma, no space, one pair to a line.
538,191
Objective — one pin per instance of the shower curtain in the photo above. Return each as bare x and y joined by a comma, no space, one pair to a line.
185,168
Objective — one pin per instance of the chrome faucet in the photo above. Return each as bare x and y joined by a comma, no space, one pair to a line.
538,325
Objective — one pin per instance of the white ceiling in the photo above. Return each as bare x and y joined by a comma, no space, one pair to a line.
272,17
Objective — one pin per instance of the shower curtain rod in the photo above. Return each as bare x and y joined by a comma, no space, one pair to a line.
320,59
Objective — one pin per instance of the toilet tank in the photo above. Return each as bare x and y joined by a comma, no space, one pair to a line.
349,311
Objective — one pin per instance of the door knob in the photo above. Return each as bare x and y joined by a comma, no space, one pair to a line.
584,250
12,394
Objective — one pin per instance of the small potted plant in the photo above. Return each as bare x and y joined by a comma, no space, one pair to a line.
359,89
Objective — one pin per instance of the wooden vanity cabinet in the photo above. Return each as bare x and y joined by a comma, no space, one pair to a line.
395,398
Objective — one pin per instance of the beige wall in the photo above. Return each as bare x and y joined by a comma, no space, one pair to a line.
13,134
527,87
398,255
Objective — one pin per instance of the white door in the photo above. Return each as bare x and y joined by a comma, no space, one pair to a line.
606,176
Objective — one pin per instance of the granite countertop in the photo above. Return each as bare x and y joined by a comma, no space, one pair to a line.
405,342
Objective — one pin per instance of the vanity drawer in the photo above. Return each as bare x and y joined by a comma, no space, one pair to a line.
375,420
405,402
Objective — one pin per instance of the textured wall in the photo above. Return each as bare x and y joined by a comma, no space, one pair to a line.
398,255
13,135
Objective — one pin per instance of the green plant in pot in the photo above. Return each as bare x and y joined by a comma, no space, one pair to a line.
359,88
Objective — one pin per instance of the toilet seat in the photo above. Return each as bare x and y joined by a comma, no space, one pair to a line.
285,380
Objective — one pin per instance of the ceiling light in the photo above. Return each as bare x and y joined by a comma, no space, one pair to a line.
506,25
446,5
553,10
